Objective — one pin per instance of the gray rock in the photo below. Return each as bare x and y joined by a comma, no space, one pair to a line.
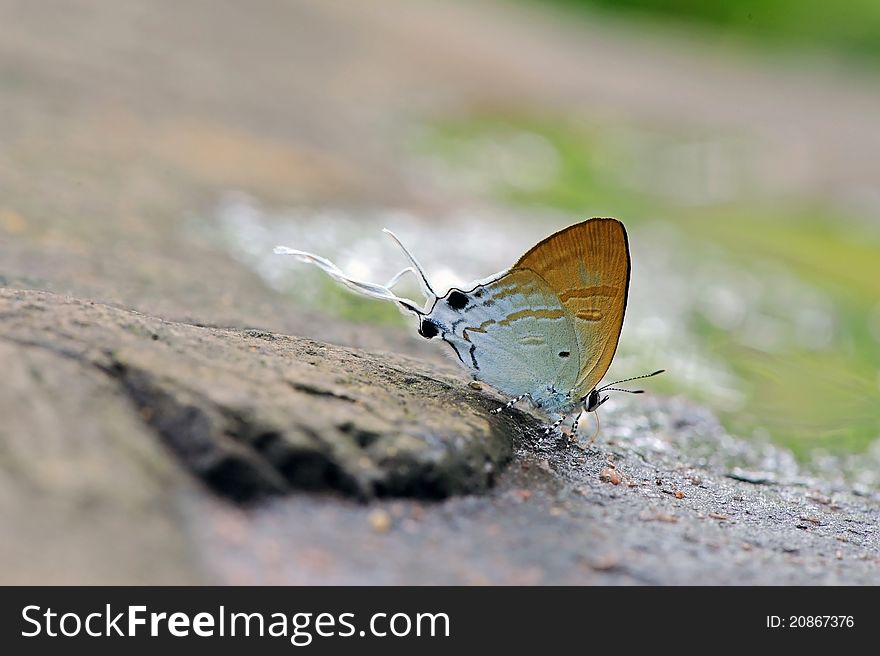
86,493
252,413
93,393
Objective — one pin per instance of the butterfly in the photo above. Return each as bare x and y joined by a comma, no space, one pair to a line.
545,329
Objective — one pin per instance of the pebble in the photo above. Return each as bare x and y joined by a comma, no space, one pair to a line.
380,521
610,475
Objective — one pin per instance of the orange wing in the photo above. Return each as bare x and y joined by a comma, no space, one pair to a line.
588,266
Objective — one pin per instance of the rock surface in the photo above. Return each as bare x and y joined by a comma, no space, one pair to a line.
86,492
252,413
96,397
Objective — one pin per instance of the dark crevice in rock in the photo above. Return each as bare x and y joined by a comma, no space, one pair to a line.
228,450
431,479
363,438
47,346
266,440
227,465
317,391
427,485
305,468
311,470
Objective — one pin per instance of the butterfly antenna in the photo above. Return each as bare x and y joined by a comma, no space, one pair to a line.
610,386
417,268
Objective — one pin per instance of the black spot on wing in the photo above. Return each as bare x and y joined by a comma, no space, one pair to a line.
428,329
564,354
474,357
457,300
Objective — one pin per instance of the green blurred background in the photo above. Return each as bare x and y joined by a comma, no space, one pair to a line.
851,29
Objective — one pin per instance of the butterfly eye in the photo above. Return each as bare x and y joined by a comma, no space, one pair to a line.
428,329
457,300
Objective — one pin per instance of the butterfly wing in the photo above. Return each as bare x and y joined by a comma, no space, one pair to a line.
588,267
513,333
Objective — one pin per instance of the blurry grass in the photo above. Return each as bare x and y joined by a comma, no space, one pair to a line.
816,243
827,398
851,29
579,183
804,397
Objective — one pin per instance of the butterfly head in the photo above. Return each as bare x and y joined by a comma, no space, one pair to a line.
444,312
594,399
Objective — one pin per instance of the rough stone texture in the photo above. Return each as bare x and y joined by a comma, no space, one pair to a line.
86,492
252,413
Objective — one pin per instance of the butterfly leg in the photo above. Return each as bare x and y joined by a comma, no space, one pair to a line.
574,425
552,427
510,403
